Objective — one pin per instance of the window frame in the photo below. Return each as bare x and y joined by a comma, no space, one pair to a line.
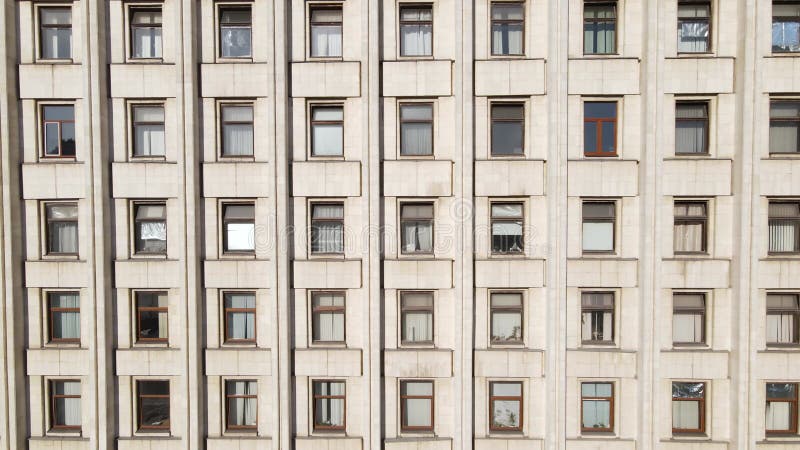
706,119
709,20
613,309
50,310
223,123
138,339
520,309
401,122
793,413
606,219
781,312
519,399
598,124
136,231
312,221
311,24
401,23
315,397
795,220
795,120
493,21
315,310
403,398
52,397
229,397
226,339
313,123
781,19
506,219
687,219
132,26
701,408
232,6
47,224
522,123
615,20
139,397
134,123
703,312
609,399
43,122
403,220
405,343
224,228
41,26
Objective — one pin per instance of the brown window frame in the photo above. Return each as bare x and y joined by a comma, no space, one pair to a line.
135,123
701,408
155,309
419,220
794,220
140,397
598,123
316,310
782,19
43,25
404,310
312,23
230,310
795,120
53,397
48,223
708,20
134,26
226,222
506,219
402,122
703,312
786,311
222,7
51,310
401,23
793,413
406,428
343,398
609,399
692,220
229,397
613,338
612,219
137,229
223,123
59,123
493,120
615,20
313,221
519,399
313,123
493,21
706,127
520,309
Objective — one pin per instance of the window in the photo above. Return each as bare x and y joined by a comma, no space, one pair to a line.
508,28
691,222
416,30
62,228
688,407
145,33
241,398
237,130
506,318
688,319
694,27
416,406
327,130
58,131
691,128
326,32
150,228
152,317
64,317
597,317
416,318
781,410
784,227
148,130
416,129
240,317
785,27
327,317
234,32
416,225
508,127
329,405
55,33
327,228
599,222
238,221
65,405
599,28
600,128
507,221
784,126
597,407
783,319
153,404
505,406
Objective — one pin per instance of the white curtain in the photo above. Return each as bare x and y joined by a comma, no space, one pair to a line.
327,140
241,324
147,42
506,326
235,41
416,139
599,37
786,36
330,411
66,324
688,237
690,136
686,415
327,236
416,39
598,236
63,237
149,140
237,137
782,236
692,37
784,137
326,41
506,39
687,328
417,237
596,325
329,327
596,413
242,411
780,328
417,411
156,231
67,410
418,326
779,416
56,43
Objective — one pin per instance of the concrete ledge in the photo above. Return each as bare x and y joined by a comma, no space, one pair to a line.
418,363
329,362
326,79
327,274
697,177
239,179
56,274
600,444
237,274
418,78
147,274
778,273
144,362
777,365
609,273
418,444
328,443
143,80
417,178
238,361
58,361
58,443
603,76
46,81
695,274
53,181
780,74
509,273
144,180
678,444
510,77
417,274
502,363
508,178
150,443
508,444
234,80
779,177
608,178
601,364
698,75
700,365
330,179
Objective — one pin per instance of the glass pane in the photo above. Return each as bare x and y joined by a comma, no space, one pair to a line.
151,299
416,138
235,41
237,113
62,112
240,300
784,137
507,11
598,210
52,139
416,112
416,300
329,412
506,210
328,327
690,136
684,301
64,300
327,140
154,412
237,139
507,138
150,212
415,40
508,112
147,42
328,300
416,14
417,388
786,10
782,302
241,325
62,211
686,415
782,236
154,388
56,16
242,412
417,326
505,414
599,11
597,299
507,38
781,390
68,139
326,15
326,41
598,236
786,35
688,390
151,236
148,114
153,324
691,110
687,328
779,416
596,414
609,141
239,212
691,10
62,237
146,17
506,300
600,110
417,412
67,411
56,43
327,237
327,211
780,209
416,211
240,236
66,325
590,137
327,113
235,16
506,326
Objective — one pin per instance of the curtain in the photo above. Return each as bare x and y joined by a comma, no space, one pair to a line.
241,325
780,328
596,325
329,411
786,36
417,412
784,137
238,139
153,236
778,416
66,324
240,236
598,236
63,237
328,140
67,410
416,139
782,236
687,327
505,413
416,40
506,326
418,326
327,237
326,41
599,37
149,140
56,43
506,38
147,42
507,236
329,327
686,415
688,237
690,136
596,413
235,42
417,236
242,411
692,37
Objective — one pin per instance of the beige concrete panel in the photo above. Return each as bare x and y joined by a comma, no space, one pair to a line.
780,74
143,80
509,273
53,181
778,273
699,445
56,274
698,75
45,81
417,178
418,78
406,363
779,177
696,274
234,80
510,77
236,361
144,180
600,444
149,443
418,274
611,178
509,363
691,365
606,76
326,179
601,364
328,443
697,177
143,362
239,179
508,178
143,274
509,443
333,362
51,443
326,79
418,444
601,272
327,274
238,443
241,274
58,361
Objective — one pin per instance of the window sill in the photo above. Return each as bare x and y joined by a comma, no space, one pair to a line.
310,58
235,158
241,60
64,61
328,346
783,55
326,256
147,159
238,256
63,346
149,256
54,257
140,345
131,60
238,345
59,160
711,54
312,158
59,434
690,436
509,57
782,156
603,434
415,58
781,348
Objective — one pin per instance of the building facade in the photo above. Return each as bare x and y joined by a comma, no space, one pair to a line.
400,224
